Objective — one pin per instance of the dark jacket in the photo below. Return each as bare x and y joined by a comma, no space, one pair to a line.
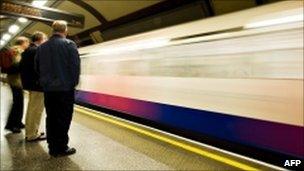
29,77
58,64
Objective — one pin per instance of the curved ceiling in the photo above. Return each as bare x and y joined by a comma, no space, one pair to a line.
103,12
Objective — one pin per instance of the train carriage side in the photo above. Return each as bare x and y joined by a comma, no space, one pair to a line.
239,83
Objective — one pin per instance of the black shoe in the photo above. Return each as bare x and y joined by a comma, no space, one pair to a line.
41,137
14,129
67,152
21,126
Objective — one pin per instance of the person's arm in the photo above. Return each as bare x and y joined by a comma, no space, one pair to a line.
75,62
22,67
36,61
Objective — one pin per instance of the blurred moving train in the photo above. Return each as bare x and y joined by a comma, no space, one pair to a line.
236,78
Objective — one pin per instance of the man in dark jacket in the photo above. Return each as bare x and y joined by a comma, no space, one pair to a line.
30,82
58,66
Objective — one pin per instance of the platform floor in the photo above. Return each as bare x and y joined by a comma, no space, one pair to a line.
102,146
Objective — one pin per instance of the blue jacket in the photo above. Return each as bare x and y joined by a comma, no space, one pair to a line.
58,64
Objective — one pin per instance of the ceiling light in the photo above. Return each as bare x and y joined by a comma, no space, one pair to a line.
39,3
276,21
2,42
6,36
22,20
13,29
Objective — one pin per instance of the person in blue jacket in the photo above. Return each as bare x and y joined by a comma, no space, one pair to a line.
58,66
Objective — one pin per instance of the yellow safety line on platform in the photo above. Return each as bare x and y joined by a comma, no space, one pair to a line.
170,141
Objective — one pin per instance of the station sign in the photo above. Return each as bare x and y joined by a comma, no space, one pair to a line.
43,14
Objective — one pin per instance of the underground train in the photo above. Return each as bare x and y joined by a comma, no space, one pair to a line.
235,80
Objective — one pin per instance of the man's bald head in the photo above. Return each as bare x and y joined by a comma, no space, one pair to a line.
60,26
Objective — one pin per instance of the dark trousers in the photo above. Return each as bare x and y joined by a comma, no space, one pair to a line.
15,116
59,110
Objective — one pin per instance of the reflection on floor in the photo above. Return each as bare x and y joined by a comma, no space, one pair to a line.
100,146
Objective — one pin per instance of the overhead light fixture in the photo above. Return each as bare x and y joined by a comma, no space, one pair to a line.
39,3
6,36
13,28
22,20
2,42
276,21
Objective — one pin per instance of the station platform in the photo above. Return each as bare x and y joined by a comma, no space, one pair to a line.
107,143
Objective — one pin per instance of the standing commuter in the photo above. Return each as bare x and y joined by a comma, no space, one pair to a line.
14,121
58,66
30,82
